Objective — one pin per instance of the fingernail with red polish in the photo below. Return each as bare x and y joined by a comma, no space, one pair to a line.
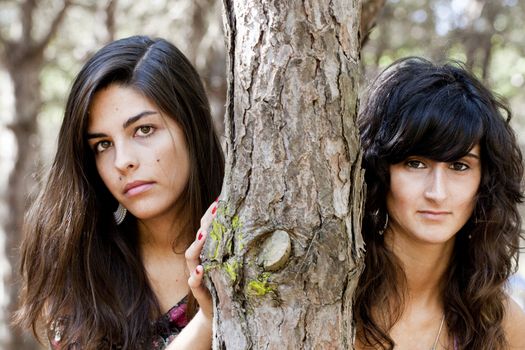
197,270
214,210
199,237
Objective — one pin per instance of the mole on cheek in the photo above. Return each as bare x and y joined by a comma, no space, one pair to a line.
158,160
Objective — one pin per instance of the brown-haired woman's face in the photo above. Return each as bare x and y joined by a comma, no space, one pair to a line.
430,201
141,156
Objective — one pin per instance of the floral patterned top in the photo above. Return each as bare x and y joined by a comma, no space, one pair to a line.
170,325
166,328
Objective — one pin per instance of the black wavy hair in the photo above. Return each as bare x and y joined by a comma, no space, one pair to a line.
440,112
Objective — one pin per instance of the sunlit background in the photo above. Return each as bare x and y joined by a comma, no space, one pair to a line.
486,35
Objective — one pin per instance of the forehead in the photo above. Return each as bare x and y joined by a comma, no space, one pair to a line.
475,150
114,104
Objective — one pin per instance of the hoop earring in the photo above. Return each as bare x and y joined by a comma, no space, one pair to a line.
385,226
120,214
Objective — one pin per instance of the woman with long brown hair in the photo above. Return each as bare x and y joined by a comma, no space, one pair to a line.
137,164
441,224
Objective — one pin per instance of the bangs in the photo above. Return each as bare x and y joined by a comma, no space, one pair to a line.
443,126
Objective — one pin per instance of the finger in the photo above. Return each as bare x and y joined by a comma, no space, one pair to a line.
209,215
199,291
195,279
193,252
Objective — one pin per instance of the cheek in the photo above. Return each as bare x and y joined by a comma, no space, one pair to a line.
174,165
469,194
398,203
172,157
104,174
469,202
397,209
403,190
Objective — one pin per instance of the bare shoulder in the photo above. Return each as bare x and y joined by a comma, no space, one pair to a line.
514,324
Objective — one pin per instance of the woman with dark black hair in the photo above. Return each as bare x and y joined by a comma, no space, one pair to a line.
137,164
441,224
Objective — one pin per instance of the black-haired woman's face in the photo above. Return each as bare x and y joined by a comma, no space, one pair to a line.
429,201
141,156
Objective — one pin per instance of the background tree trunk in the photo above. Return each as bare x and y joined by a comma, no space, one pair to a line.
286,250
24,60
28,101
369,12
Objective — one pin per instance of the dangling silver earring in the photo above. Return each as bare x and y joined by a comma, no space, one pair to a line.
385,226
119,214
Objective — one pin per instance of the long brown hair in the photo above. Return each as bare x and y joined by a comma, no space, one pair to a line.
78,268
440,112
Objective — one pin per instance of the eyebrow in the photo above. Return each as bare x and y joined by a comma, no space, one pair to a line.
126,124
133,119
472,155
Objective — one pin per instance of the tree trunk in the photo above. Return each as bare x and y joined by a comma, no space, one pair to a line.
477,38
286,250
369,13
24,70
24,58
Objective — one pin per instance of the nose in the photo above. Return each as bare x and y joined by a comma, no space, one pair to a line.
125,158
436,188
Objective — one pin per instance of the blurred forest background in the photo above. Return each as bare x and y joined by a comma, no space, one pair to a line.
44,43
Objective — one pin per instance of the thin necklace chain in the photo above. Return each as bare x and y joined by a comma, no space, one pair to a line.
434,346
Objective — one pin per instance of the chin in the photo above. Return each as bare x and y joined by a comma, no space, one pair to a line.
144,214
437,239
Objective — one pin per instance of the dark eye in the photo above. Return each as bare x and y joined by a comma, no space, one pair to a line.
102,146
144,130
458,166
416,164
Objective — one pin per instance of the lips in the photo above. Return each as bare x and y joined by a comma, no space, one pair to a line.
136,187
434,214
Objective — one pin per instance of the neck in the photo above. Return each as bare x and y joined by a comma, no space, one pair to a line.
424,265
162,235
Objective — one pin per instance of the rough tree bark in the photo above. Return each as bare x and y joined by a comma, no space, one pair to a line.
24,60
285,251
